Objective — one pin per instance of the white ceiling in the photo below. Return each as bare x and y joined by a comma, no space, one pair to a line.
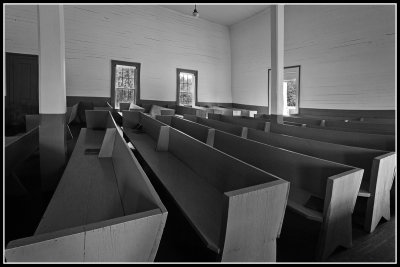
227,15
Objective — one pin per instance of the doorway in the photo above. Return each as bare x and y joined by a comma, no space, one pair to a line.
22,90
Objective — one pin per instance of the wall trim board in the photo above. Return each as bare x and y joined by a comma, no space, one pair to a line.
260,109
348,113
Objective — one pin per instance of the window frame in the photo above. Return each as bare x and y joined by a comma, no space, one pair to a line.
298,87
195,73
114,64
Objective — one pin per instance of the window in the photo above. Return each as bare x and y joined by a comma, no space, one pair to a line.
291,89
125,82
186,82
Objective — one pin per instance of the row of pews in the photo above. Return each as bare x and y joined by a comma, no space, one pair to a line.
204,111
104,207
232,177
375,155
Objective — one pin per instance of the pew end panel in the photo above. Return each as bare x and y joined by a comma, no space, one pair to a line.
340,199
93,232
132,237
210,137
253,236
382,177
248,192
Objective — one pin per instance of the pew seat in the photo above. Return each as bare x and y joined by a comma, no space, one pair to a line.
214,198
331,187
104,207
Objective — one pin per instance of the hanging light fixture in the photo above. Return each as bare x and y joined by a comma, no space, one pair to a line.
195,13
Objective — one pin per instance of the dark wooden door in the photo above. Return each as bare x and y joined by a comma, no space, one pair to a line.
22,95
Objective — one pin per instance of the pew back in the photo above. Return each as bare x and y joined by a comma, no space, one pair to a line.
122,218
99,119
372,141
157,110
223,126
217,198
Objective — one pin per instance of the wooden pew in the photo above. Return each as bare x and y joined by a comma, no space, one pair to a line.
365,127
378,165
378,120
157,110
236,209
310,178
373,141
334,185
198,131
104,208
17,149
197,111
223,126
245,122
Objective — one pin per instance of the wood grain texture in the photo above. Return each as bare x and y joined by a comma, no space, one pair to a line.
309,174
373,141
336,230
199,193
378,204
354,156
263,206
104,209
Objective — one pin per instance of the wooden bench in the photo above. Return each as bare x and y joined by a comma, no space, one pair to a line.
365,127
373,141
197,111
236,209
310,177
198,131
157,110
104,208
17,149
219,125
334,186
245,122
378,165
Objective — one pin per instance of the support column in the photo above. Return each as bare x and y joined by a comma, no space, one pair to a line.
277,63
52,95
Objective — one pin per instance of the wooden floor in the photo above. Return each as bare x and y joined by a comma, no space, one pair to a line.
181,244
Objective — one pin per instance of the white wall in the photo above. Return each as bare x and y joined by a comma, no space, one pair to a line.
251,57
346,53
158,38
21,29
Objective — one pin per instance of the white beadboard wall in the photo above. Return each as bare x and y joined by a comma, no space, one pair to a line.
158,38
251,57
346,53
21,29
